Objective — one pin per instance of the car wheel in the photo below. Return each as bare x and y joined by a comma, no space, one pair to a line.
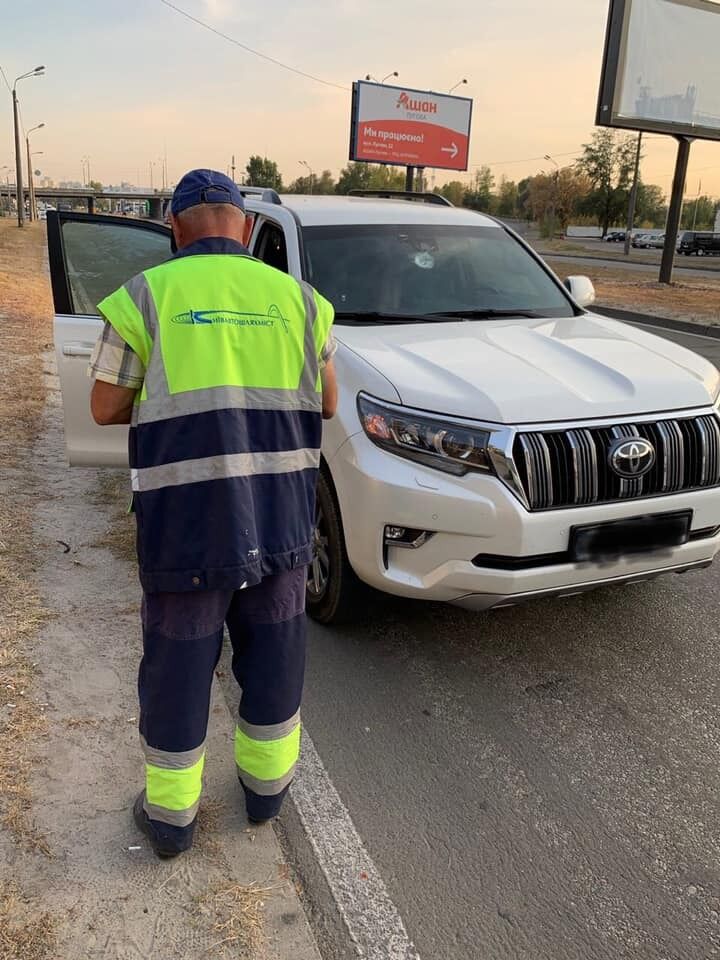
334,592
701,253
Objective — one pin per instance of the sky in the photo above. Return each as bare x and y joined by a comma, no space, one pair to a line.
129,81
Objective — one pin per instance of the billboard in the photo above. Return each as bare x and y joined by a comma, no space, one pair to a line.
661,70
410,128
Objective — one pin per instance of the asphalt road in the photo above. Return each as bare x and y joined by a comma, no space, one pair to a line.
539,783
595,262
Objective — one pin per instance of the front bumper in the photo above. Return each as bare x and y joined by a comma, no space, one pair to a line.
481,530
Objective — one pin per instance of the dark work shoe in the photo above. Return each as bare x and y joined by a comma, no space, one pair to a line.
143,824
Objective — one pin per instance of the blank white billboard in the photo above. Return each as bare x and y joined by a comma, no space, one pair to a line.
662,67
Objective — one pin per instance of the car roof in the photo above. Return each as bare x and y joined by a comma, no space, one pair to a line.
316,211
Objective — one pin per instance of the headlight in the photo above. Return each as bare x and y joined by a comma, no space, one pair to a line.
451,446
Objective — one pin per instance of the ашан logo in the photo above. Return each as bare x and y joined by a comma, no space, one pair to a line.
405,102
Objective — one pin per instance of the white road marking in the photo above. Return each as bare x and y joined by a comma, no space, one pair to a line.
371,918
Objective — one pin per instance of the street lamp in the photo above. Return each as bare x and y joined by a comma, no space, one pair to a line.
375,80
37,72
304,163
458,84
32,213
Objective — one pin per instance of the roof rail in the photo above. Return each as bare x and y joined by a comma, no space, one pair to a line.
403,195
263,193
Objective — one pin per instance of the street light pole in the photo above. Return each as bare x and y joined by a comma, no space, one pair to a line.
304,163
32,215
19,194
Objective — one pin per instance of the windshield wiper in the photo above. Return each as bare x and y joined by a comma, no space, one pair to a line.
488,314
374,316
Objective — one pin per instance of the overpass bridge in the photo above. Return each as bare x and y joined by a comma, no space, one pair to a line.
54,195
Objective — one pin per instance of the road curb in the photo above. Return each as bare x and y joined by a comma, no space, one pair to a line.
678,264
681,326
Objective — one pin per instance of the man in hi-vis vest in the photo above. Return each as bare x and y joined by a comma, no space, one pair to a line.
223,368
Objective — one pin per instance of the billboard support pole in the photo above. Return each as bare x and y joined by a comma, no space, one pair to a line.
675,211
633,197
410,179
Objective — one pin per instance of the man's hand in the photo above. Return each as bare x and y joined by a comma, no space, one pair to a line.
110,403
329,390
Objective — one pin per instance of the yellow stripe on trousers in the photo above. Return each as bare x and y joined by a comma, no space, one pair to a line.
174,789
267,759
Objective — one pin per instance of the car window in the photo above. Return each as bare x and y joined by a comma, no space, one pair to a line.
424,269
100,257
271,248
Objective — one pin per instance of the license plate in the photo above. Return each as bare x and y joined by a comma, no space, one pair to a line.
619,538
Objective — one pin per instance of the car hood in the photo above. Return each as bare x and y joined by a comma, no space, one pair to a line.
534,371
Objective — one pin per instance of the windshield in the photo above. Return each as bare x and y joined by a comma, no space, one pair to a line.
421,270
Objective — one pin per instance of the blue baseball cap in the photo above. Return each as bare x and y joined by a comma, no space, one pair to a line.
205,186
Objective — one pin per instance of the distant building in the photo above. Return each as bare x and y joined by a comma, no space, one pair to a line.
717,220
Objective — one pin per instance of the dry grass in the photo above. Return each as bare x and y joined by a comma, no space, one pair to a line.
25,933
237,916
119,538
696,300
25,302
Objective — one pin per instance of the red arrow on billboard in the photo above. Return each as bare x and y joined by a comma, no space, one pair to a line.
452,150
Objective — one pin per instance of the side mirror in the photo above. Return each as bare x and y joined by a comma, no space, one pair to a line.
581,290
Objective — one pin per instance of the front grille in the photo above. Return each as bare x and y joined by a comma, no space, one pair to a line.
571,467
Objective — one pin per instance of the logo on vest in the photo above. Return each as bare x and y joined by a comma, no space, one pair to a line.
233,318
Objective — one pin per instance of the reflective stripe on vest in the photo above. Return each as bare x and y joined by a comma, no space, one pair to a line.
231,400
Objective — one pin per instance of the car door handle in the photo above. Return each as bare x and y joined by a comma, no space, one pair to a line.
77,349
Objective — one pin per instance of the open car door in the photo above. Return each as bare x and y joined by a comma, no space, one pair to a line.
90,256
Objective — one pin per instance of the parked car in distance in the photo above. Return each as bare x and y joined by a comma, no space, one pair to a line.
654,242
494,440
699,244
617,236
639,239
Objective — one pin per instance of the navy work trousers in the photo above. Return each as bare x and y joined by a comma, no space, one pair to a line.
182,642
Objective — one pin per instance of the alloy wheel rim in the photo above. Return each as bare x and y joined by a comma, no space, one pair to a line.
319,573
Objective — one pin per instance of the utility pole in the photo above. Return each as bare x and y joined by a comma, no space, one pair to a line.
31,199
233,168
19,194
696,205
633,197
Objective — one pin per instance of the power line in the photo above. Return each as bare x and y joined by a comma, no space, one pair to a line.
7,82
502,163
255,53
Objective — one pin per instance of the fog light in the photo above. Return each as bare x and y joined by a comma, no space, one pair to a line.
395,533
407,537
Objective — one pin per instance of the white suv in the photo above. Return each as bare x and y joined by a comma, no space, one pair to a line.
493,442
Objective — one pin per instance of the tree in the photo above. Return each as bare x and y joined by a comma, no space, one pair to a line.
507,199
609,161
555,197
262,172
454,192
651,207
699,214
369,176
480,194
324,183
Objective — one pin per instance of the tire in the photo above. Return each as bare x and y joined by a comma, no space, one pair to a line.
701,252
334,592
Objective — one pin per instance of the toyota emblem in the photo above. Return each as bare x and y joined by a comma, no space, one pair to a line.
632,459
